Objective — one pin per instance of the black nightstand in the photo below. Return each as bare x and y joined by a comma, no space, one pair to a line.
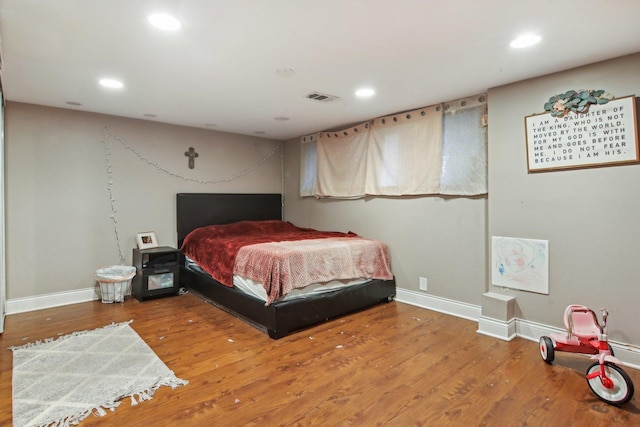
157,272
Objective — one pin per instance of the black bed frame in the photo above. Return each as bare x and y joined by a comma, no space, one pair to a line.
279,318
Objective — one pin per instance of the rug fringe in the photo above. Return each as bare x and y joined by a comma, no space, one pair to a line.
142,395
75,419
64,337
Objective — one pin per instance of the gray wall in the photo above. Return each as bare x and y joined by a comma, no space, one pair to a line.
589,216
59,227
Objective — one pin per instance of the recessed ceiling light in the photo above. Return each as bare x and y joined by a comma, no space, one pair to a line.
365,92
164,21
525,40
111,83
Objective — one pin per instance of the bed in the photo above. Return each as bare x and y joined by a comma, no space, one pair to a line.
276,318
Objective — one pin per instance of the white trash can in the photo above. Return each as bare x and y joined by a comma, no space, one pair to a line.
115,282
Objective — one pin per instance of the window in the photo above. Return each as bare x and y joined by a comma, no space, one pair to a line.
440,149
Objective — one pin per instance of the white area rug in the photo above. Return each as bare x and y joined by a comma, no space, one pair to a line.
60,382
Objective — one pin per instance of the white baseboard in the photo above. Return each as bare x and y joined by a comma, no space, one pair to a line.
439,304
56,299
505,331
532,331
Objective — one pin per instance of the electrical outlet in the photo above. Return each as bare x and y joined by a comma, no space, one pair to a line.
423,283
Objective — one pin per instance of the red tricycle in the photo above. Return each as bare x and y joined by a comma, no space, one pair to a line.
585,335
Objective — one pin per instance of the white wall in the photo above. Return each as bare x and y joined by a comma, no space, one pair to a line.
58,213
589,216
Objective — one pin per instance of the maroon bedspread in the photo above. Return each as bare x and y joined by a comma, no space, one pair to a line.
284,266
216,247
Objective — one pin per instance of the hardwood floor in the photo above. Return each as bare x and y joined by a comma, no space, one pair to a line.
393,364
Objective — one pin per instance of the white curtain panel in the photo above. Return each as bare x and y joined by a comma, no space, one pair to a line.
464,151
405,153
342,162
308,165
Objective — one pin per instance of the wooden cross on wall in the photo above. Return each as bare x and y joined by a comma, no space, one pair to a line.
191,154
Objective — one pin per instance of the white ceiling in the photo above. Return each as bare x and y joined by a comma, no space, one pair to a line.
219,71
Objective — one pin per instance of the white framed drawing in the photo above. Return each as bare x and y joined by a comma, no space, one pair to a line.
520,264
146,240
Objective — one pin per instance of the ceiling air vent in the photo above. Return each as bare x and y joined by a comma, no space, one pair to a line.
317,96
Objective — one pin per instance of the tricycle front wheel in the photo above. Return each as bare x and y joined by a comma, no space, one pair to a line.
616,391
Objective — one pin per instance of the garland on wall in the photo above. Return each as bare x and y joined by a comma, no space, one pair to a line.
107,135
577,101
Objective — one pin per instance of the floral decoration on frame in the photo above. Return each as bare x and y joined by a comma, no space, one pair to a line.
577,101
146,240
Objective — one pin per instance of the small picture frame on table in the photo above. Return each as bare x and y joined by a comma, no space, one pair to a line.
146,240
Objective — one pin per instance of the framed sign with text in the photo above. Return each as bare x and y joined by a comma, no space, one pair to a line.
605,135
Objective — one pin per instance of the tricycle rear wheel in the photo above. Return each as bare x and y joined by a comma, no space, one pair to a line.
547,350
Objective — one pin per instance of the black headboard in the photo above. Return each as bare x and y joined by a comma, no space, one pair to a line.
199,209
